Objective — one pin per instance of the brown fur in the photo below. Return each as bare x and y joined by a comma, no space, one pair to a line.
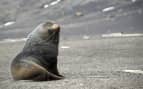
38,59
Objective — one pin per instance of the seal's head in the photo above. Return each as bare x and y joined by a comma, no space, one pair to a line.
49,31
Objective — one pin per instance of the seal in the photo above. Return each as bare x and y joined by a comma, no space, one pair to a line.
38,59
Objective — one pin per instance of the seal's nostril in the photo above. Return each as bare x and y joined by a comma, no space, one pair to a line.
55,27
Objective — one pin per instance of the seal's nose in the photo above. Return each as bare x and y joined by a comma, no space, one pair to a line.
55,27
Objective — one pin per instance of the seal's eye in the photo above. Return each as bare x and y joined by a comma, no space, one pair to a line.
47,24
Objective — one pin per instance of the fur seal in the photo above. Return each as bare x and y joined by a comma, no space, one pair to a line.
38,59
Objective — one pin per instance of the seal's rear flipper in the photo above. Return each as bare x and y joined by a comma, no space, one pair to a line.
29,70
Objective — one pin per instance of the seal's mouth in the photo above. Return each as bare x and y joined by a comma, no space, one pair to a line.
51,26
48,28
55,27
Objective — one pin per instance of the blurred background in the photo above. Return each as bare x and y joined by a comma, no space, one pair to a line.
78,18
100,47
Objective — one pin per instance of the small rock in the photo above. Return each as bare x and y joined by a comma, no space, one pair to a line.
55,2
108,9
81,84
86,37
134,1
9,23
46,6
65,47
79,14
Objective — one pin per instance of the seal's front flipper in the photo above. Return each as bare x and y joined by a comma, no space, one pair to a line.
29,70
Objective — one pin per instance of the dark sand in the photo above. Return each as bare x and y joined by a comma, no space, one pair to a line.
97,63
